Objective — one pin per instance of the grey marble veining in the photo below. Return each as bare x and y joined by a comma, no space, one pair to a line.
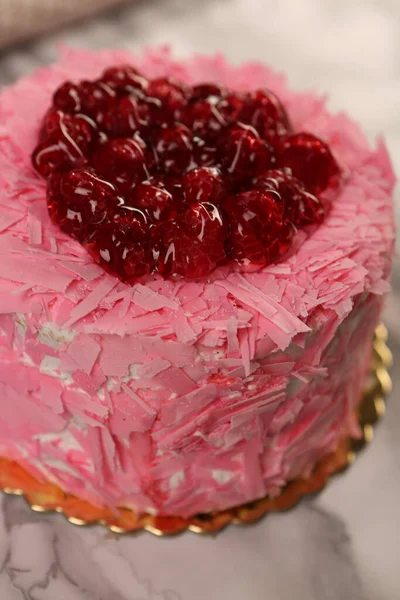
43,557
343,544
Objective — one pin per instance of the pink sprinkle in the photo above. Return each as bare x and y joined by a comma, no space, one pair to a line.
176,380
8,217
88,271
181,325
233,342
35,231
150,300
91,301
138,399
84,350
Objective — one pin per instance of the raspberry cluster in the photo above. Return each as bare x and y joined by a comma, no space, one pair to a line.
155,175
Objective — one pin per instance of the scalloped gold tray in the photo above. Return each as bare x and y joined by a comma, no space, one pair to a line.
44,497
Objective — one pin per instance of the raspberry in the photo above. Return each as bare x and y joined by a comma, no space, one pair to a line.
193,242
88,97
258,232
65,143
310,160
155,199
123,246
204,184
125,79
157,175
79,201
172,149
205,90
166,98
122,162
301,207
204,154
125,117
263,111
208,117
243,154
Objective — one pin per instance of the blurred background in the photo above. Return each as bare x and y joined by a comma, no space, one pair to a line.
350,51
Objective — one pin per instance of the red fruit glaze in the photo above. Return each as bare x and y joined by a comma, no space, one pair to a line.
125,79
172,149
166,98
300,207
264,111
74,129
208,116
204,154
153,198
79,201
203,118
88,97
230,107
125,116
311,161
258,232
204,90
122,162
122,245
243,154
65,143
193,242
155,175
204,184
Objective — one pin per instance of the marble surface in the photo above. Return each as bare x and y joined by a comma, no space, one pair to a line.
343,544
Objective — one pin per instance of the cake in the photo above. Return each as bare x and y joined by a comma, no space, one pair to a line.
161,367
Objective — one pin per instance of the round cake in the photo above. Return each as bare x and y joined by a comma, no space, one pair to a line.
194,261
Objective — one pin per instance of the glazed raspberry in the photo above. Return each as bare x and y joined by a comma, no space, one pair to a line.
73,128
155,199
263,111
205,90
65,143
166,98
193,242
243,154
300,207
123,246
204,184
204,155
158,175
122,162
310,160
79,201
208,117
258,233
306,209
203,119
274,179
230,107
88,97
68,97
125,79
126,116
55,202
172,149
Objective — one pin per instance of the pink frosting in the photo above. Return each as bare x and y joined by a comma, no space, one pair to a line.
179,397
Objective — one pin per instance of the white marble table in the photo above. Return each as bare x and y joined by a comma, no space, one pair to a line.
343,544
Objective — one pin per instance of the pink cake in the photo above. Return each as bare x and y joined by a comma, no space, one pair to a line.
175,395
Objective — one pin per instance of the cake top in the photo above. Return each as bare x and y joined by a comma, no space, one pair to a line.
52,276
156,175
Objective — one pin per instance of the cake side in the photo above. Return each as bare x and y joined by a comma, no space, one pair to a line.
180,397
225,443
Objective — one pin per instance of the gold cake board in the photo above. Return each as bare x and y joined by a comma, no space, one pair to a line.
44,497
